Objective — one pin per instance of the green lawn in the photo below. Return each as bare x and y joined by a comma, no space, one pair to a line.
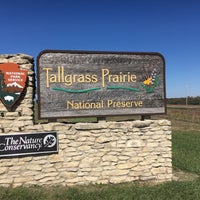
186,150
186,156
172,191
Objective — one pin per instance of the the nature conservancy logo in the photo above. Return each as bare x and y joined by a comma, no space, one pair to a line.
34,143
49,141
12,83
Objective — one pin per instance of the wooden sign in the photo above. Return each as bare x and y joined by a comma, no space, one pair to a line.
83,84
28,144
12,83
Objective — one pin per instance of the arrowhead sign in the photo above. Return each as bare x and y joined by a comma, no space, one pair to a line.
12,83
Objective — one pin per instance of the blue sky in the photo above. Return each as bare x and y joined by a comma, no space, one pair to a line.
170,27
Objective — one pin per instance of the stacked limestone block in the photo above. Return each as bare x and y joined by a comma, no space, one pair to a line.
89,153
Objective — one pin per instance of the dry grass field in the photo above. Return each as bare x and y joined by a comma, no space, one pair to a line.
185,118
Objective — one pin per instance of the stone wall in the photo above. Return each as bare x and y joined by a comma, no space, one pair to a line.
103,152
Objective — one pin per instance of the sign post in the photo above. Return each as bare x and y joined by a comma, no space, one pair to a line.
85,84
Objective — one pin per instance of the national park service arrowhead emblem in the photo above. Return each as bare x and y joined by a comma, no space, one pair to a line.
12,83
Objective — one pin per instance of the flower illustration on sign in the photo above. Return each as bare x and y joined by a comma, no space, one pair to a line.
151,82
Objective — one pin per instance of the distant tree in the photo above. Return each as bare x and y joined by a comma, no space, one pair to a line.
194,100
176,101
182,101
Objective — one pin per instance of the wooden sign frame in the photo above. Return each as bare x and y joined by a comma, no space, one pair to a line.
99,84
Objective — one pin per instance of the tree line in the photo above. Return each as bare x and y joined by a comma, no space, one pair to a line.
184,100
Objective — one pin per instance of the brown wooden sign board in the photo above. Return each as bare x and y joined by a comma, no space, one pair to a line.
99,84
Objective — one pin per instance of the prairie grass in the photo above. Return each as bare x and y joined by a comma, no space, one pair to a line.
182,117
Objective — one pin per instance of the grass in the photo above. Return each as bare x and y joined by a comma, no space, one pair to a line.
186,150
186,157
129,191
182,117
